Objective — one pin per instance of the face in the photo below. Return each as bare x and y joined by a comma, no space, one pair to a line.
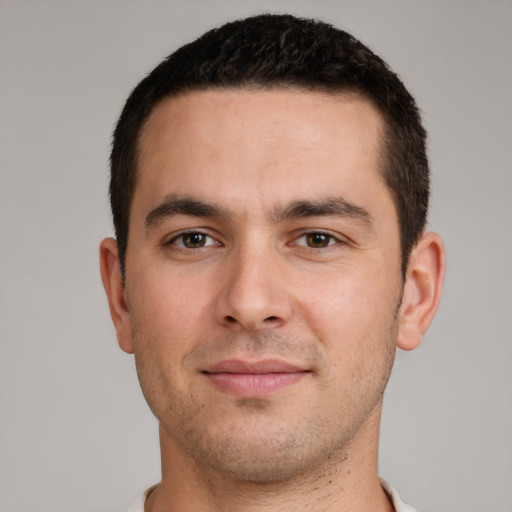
262,277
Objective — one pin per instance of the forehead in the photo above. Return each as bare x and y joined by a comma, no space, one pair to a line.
259,144
250,109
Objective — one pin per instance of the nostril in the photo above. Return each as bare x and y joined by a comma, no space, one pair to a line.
269,320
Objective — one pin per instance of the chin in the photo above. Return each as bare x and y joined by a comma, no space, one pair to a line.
272,454
262,464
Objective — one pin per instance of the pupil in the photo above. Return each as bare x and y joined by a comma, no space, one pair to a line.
194,239
317,239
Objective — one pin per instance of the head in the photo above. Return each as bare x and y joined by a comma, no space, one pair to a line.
283,52
269,189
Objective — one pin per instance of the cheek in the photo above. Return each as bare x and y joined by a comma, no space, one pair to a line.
355,324
169,307
164,332
350,313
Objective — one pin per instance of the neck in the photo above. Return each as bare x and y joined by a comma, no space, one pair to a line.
344,481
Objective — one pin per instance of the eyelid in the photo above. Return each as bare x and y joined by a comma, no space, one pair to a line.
334,237
177,236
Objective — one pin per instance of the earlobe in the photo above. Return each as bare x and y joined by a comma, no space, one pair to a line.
112,279
422,290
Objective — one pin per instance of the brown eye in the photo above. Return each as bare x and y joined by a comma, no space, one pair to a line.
194,240
318,240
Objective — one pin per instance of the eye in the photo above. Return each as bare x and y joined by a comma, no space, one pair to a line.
193,240
316,240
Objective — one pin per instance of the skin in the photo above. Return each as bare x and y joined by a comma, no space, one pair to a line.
234,255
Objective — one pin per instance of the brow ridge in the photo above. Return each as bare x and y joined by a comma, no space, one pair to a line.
299,209
176,205
335,206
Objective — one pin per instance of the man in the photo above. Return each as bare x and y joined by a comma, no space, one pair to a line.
269,191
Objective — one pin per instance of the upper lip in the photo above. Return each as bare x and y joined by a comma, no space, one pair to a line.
253,367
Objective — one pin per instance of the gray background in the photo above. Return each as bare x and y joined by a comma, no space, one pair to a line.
75,433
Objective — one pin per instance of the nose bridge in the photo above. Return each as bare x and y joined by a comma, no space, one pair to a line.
253,296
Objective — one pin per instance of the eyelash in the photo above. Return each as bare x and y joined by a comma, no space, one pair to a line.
181,236
330,239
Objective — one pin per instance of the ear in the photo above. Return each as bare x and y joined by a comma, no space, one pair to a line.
111,276
422,290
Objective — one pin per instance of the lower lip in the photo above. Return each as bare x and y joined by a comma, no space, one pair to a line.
253,385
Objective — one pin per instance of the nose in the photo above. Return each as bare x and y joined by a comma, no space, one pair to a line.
254,292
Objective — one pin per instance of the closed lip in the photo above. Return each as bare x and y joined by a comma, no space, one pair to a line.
253,367
253,379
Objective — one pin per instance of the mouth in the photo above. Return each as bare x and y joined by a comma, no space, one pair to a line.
253,379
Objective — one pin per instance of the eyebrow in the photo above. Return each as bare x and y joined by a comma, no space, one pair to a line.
174,205
331,206
300,209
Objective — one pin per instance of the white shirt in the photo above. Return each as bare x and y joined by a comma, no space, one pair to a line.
399,505
138,506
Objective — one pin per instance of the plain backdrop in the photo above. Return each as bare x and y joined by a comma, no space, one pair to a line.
75,432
